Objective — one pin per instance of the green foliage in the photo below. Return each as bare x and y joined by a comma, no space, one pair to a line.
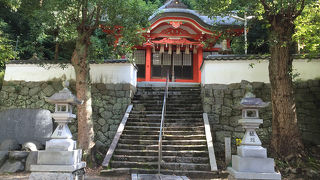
308,29
132,17
1,78
237,45
6,49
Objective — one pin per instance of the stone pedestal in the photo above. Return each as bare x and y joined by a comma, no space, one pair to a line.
60,160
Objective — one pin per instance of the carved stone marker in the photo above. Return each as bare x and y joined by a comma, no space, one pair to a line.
25,125
251,161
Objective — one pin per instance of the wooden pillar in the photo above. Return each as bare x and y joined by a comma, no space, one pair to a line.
200,59
148,63
195,67
228,43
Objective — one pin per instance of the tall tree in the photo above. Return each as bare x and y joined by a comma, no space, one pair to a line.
86,16
286,138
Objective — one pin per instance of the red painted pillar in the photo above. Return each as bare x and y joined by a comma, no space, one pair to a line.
195,67
148,63
200,59
228,43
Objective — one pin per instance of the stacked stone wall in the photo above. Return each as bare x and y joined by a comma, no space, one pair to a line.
109,103
221,102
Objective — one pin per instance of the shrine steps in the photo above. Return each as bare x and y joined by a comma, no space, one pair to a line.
185,150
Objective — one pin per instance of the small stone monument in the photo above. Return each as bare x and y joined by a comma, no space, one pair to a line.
251,161
61,159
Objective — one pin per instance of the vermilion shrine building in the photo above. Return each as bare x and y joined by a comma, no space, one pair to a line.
175,42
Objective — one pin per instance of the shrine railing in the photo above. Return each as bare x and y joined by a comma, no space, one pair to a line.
162,123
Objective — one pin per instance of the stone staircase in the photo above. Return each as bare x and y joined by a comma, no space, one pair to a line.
185,149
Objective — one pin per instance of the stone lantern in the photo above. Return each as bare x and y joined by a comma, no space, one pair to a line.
251,161
61,159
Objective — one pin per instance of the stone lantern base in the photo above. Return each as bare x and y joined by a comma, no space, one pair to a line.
60,160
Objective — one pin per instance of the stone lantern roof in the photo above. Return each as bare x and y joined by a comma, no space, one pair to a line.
64,97
250,100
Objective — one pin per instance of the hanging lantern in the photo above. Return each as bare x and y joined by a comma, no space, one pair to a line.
187,49
153,49
195,50
161,48
170,49
178,49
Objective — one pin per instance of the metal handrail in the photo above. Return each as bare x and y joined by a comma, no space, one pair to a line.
162,123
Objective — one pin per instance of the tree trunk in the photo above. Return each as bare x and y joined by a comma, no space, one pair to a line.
83,88
286,138
56,51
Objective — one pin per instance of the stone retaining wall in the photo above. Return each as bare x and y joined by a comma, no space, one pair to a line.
221,102
109,102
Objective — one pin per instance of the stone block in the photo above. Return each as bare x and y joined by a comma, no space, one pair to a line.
236,175
238,93
250,164
11,167
59,157
33,91
51,176
214,118
26,125
18,155
61,145
234,121
226,111
252,151
207,108
3,157
48,91
9,144
218,93
220,135
58,168
31,160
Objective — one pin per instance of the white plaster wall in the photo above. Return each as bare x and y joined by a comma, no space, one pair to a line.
99,73
113,73
35,72
227,72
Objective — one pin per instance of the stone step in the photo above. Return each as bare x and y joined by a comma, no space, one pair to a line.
168,105
165,137
169,102
166,124
180,128
164,147
197,88
154,165
164,142
169,97
170,93
171,108
164,158
202,153
168,111
199,175
158,116
156,132
167,120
